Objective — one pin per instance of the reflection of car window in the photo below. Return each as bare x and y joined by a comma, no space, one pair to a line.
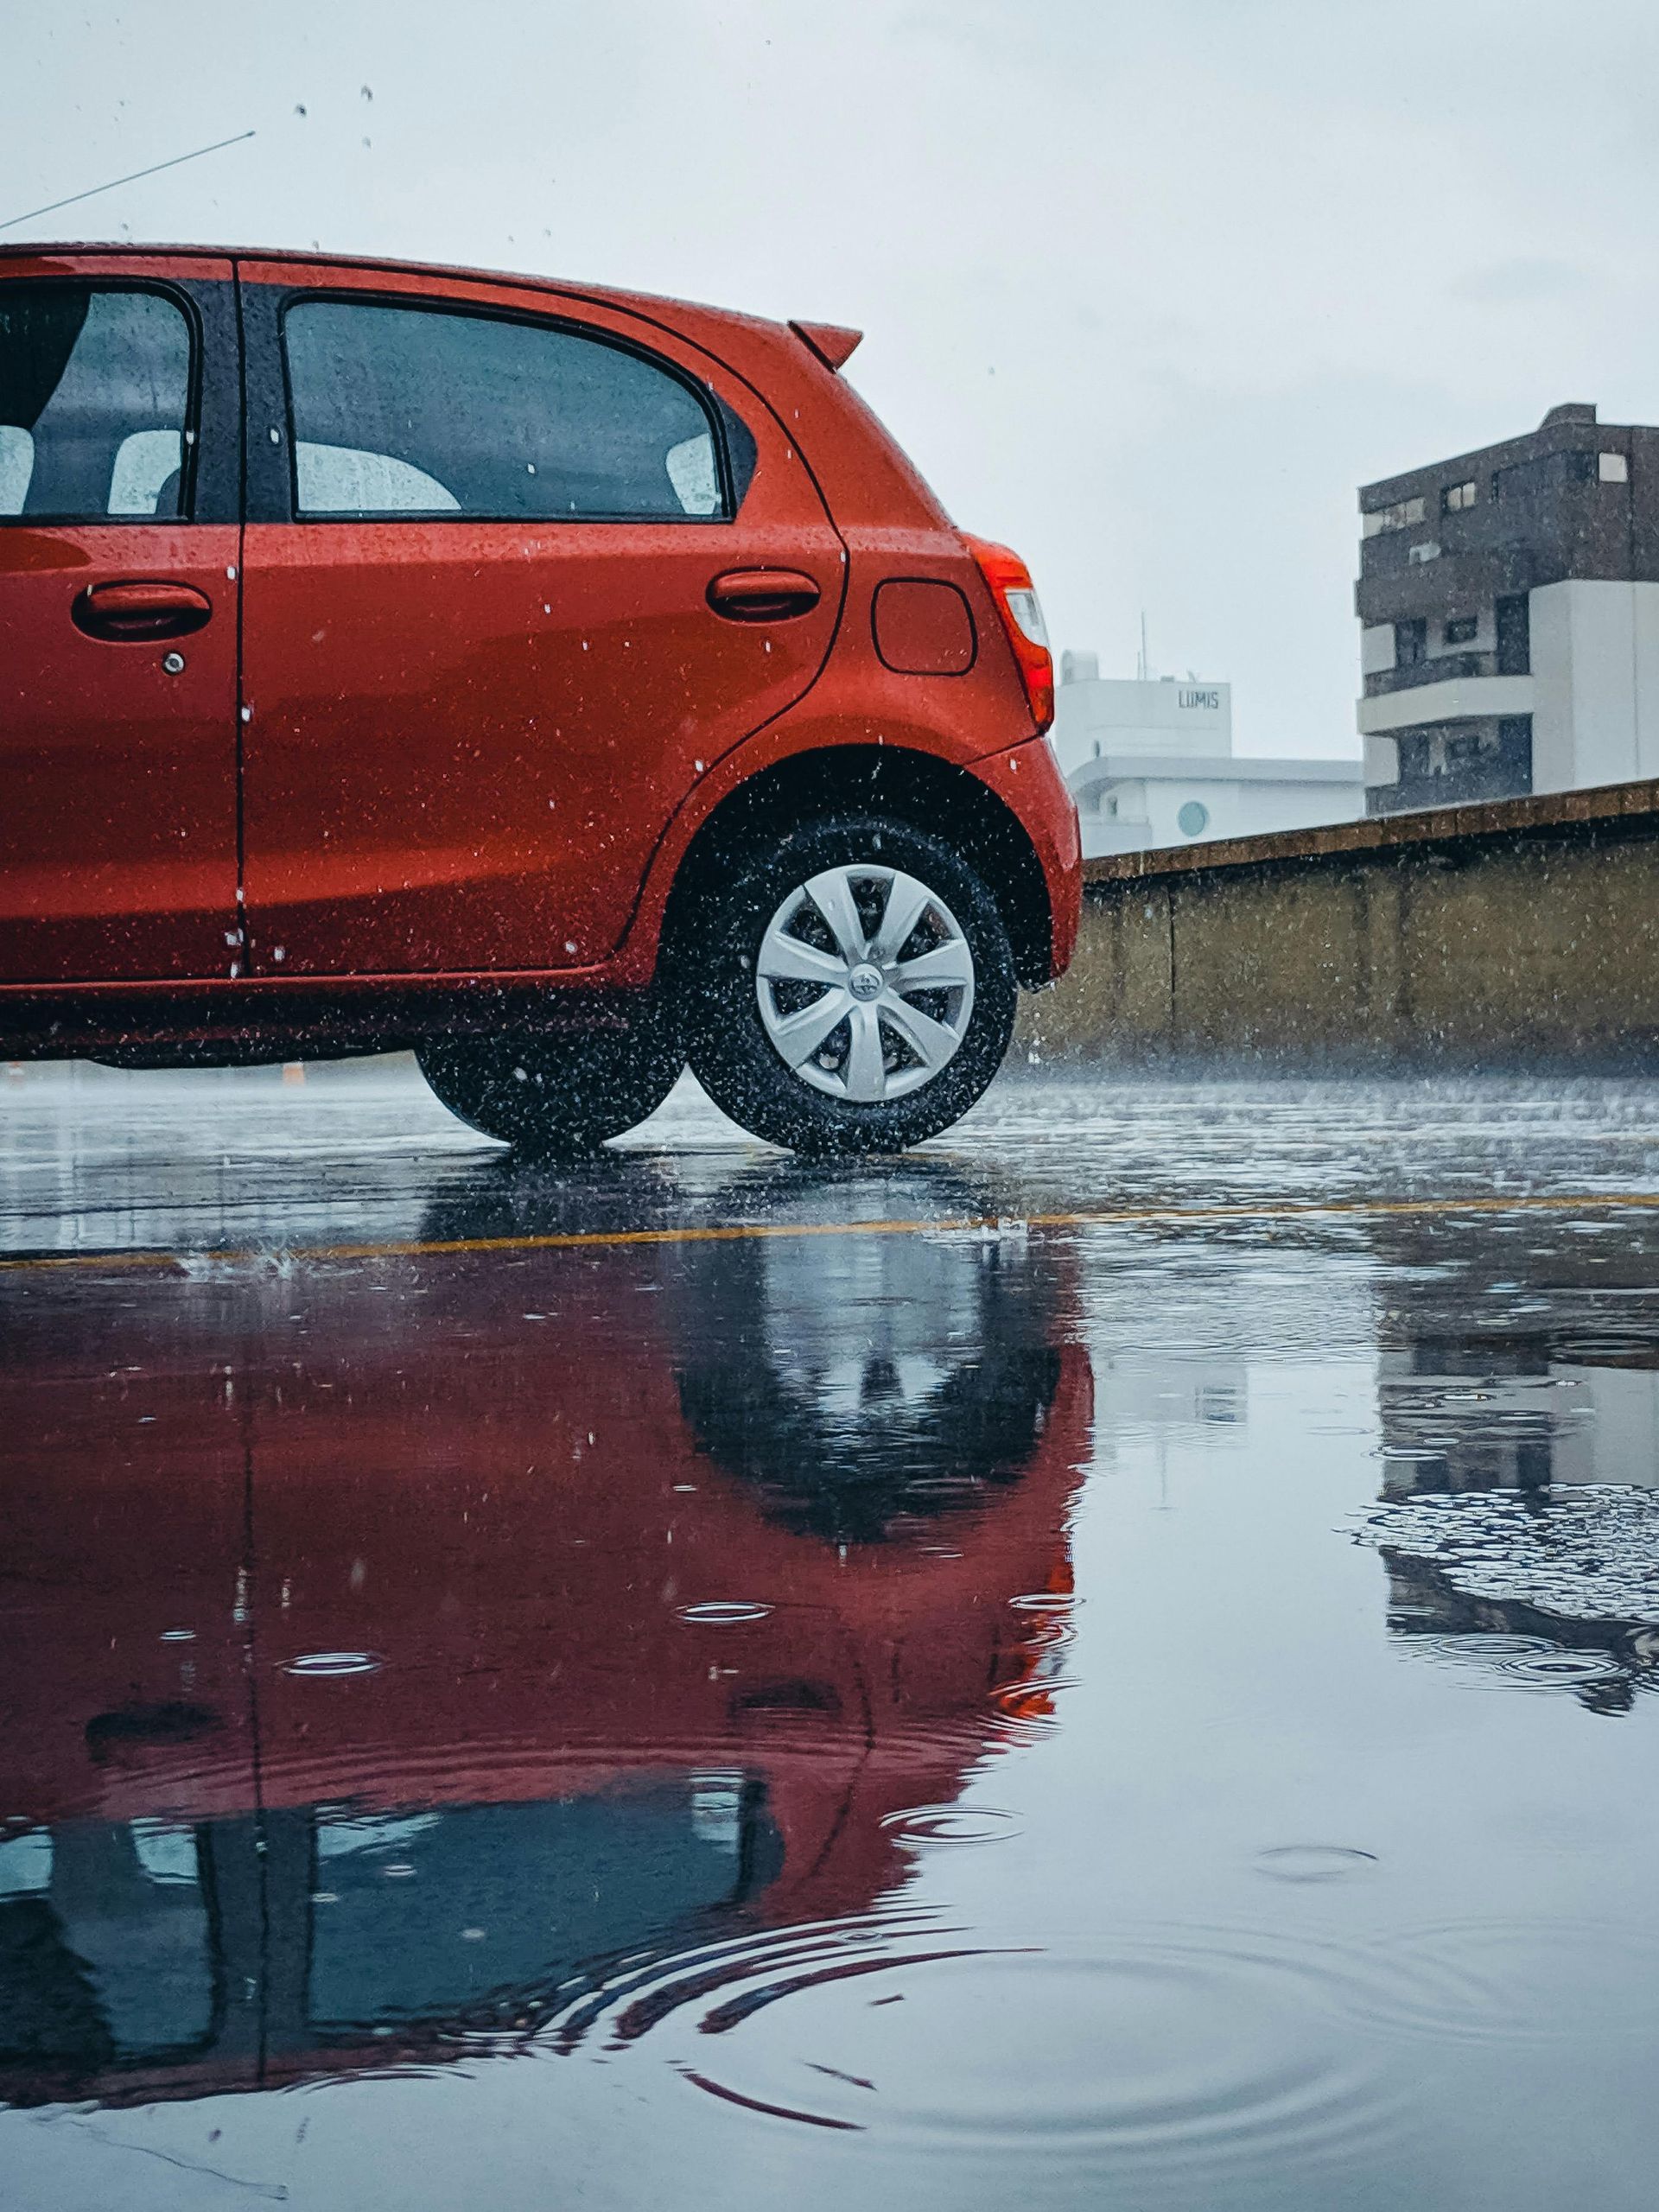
25,1862
106,1944
94,392
419,1918
513,418
344,479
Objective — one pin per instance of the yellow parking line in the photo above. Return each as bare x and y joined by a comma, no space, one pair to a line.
963,1224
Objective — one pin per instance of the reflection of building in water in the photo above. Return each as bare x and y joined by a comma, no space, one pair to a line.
1553,1590
1520,1516
1172,1393
368,1681
1527,1413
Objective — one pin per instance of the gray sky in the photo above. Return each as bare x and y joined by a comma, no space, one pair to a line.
1149,288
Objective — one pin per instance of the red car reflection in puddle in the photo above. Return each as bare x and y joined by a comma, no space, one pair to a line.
388,1652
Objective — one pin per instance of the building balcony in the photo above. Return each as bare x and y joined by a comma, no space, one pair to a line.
1438,668
1459,580
1443,699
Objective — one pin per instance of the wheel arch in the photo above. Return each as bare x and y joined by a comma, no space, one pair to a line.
931,794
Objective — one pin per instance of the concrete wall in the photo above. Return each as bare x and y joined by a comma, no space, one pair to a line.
1522,934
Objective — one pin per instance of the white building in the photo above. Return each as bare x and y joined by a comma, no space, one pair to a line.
1152,763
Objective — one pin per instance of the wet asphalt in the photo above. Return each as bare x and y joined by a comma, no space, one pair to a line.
1109,1660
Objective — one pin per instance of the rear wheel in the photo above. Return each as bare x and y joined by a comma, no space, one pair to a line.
559,1096
853,988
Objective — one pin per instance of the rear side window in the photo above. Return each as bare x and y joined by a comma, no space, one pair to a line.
411,410
94,403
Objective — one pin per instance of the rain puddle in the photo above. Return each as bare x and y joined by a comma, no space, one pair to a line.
1108,1716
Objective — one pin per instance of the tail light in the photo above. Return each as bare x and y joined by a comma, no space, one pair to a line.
1010,585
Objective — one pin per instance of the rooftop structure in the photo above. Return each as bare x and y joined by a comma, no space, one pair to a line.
1151,763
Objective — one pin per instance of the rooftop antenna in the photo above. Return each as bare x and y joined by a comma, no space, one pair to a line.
1143,666
92,191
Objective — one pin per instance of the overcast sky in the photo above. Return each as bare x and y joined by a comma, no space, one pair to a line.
1149,288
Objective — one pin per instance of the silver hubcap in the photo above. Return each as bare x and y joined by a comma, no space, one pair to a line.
865,983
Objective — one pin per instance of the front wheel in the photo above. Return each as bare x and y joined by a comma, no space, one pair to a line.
563,1094
853,988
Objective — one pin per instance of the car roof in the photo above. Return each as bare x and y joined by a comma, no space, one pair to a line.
652,307
864,476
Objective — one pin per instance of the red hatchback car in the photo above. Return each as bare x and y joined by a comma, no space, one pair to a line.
564,683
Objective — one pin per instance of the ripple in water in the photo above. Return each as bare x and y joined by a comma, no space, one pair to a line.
1168,2051
720,1610
1314,1862
1518,1662
921,1825
333,1662
1514,1981
1027,1707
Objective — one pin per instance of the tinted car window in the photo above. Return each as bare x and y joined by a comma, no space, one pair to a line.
405,411
94,400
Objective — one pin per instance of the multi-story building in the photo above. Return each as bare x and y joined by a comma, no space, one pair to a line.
1508,605
1151,762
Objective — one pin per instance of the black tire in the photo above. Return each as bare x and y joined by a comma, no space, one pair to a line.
732,1052
812,1399
561,1095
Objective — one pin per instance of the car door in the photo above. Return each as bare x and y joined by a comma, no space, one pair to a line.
511,588
119,463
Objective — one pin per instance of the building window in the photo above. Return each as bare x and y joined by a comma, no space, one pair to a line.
1461,630
1193,819
1456,497
1410,642
1427,549
1515,752
1403,515
1514,636
1548,473
1613,468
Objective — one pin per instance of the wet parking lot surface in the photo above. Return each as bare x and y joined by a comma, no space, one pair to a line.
1110,1660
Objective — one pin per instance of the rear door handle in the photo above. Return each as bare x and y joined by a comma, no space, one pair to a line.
762,595
135,611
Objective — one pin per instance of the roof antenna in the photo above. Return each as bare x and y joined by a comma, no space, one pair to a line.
92,191
1143,666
